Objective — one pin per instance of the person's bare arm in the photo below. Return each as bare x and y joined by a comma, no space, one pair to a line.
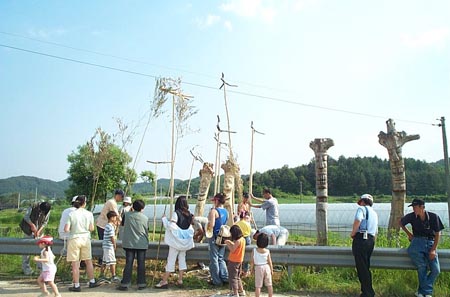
433,249
410,235
211,218
269,261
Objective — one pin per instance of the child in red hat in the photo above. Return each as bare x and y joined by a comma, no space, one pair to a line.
47,259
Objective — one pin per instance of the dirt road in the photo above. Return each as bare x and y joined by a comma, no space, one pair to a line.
27,288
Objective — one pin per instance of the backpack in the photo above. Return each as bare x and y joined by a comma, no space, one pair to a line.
224,234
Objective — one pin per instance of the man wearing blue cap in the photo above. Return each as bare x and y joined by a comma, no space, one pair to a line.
426,232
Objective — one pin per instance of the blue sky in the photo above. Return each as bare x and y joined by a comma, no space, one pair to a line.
295,64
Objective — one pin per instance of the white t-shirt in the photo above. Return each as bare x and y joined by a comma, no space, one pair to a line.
64,217
79,222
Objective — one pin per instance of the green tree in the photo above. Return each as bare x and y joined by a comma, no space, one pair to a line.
97,168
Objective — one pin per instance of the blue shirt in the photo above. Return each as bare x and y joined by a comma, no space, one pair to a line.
368,218
221,220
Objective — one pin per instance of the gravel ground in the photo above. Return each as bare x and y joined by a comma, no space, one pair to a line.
28,288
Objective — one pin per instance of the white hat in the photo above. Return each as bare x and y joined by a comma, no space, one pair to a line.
127,199
367,196
74,198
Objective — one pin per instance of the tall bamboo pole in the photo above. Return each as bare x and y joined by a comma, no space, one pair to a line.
194,158
217,164
224,84
250,182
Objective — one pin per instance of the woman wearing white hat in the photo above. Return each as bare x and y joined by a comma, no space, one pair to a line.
126,207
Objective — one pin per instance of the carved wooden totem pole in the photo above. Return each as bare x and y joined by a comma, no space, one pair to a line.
393,142
320,147
231,170
206,174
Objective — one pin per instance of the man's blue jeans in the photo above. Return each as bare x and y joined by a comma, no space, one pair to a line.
418,250
130,255
217,265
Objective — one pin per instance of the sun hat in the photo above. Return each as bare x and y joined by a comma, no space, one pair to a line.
48,240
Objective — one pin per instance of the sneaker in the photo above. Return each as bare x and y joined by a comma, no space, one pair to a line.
242,294
231,295
94,284
44,294
75,289
115,279
120,288
162,285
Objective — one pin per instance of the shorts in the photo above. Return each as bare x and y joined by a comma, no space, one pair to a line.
109,256
48,275
79,249
263,275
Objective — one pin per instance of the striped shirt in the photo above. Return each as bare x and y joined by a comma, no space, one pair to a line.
110,232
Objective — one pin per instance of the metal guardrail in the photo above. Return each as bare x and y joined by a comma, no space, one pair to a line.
387,258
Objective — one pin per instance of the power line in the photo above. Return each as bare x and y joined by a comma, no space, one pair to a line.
276,99
134,60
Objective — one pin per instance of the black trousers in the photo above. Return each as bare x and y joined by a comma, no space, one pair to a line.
362,251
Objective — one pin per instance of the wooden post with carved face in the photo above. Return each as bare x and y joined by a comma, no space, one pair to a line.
231,169
320,147
393,142
206,174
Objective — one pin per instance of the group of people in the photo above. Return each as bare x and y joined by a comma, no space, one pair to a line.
424,238
230,272
77,224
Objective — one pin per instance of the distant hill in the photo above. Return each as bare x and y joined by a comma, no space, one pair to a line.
29,184
49,188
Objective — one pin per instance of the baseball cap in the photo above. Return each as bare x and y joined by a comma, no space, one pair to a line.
48,240
417,202
74,198
366,196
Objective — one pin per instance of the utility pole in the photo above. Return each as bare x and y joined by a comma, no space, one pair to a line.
155,182
301,191
446,161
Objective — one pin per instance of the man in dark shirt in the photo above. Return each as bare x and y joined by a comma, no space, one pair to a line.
32,225
426,232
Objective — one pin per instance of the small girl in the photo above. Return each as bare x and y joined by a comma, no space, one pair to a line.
237,250
262,263
47,259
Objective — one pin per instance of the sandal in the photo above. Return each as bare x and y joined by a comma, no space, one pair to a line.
162,285
179,283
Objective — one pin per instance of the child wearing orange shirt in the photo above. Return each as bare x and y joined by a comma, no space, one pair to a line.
237,250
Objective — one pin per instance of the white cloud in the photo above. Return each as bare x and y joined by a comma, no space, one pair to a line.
250,8
228,25
209,21
432,38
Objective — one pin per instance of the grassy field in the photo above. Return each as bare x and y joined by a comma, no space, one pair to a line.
331,280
